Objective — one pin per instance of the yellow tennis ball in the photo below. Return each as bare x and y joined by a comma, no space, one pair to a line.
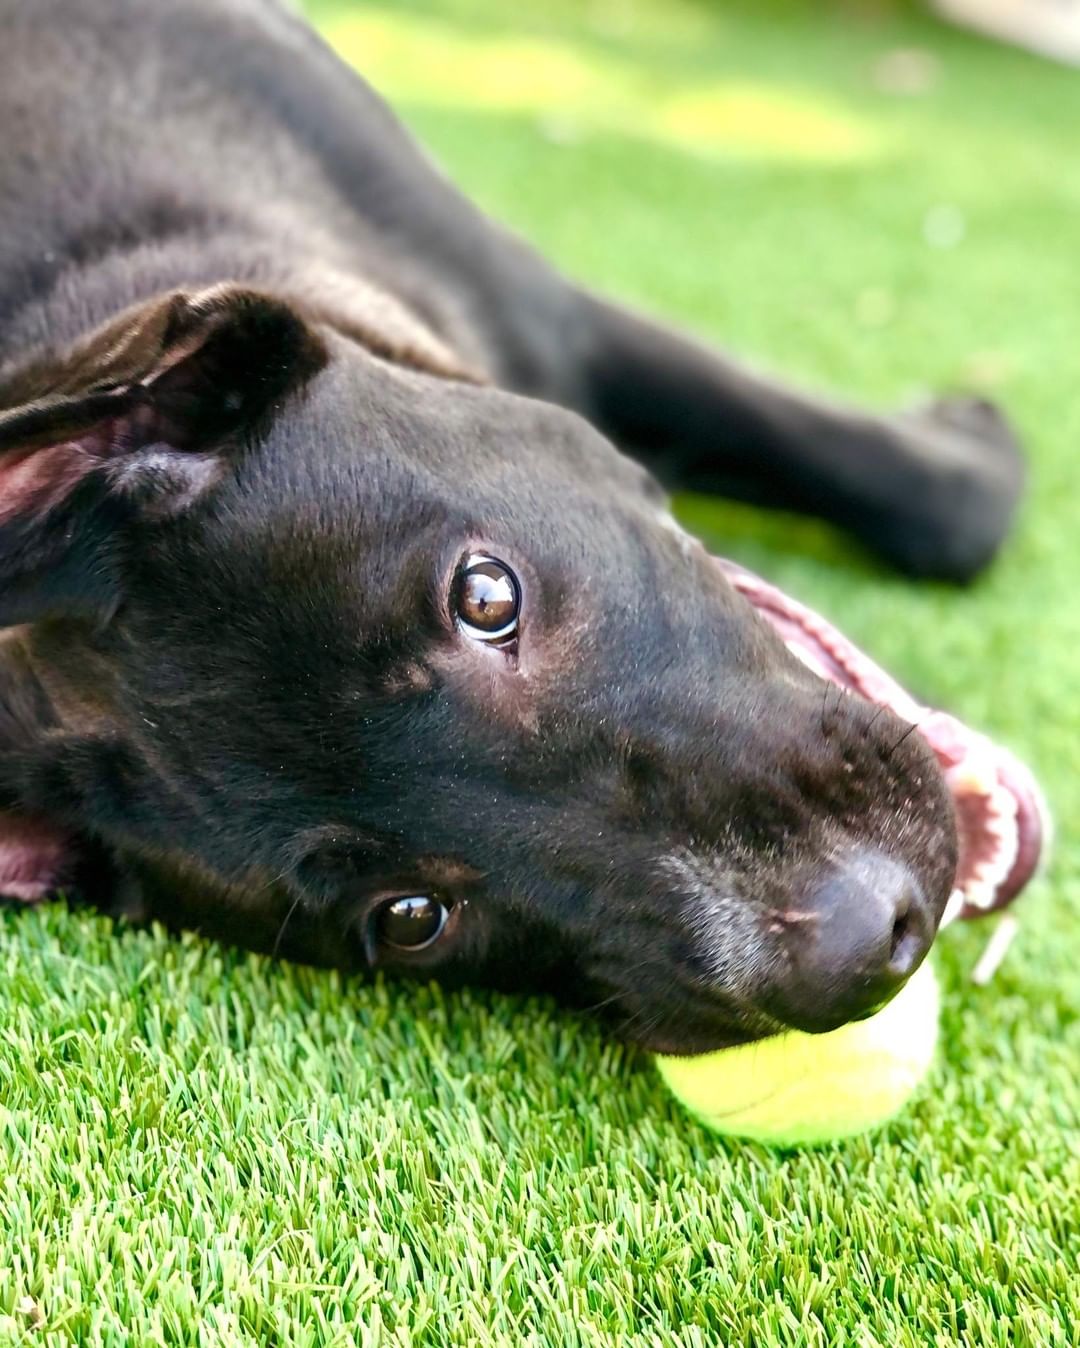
800,1089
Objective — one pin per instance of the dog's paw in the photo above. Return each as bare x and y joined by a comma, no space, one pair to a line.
973,469
36,858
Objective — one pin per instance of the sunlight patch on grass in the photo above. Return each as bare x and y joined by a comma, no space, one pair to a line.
755,120
425,62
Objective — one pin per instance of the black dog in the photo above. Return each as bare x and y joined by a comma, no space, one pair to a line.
337,623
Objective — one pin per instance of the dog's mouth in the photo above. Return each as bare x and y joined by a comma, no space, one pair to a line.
1001,814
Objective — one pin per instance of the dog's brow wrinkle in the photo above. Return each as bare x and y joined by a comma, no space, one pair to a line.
412,677
449,870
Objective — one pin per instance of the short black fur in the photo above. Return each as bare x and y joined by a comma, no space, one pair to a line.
266,379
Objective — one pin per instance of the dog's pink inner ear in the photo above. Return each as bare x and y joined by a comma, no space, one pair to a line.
191,372
36,858
33,481
135,424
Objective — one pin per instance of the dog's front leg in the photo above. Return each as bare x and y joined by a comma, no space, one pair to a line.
933,491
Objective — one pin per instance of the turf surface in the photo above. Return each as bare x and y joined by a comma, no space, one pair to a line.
197,1147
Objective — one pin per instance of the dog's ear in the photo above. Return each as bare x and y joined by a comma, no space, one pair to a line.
137,421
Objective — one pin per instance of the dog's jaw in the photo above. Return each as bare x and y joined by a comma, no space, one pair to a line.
1002,817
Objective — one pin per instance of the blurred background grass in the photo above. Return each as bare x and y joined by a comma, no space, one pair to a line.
198,1147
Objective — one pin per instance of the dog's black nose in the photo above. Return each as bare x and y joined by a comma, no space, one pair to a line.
850,944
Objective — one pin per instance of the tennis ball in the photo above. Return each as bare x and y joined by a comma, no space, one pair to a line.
802,1089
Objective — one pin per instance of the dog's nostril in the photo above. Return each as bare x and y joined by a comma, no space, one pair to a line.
908,943
900,932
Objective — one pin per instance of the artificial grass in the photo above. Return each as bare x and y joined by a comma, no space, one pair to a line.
199,1147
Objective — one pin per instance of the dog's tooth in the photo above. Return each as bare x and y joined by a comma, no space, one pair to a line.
975,774
981,893
808,659
953,909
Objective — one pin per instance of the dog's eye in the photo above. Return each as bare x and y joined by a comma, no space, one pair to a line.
487,600
410,923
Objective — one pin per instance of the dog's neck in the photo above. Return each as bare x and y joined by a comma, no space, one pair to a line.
377,319
368,308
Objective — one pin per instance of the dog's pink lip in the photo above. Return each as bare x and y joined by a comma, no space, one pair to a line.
1001,812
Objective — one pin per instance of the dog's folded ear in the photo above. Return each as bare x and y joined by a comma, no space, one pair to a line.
137,421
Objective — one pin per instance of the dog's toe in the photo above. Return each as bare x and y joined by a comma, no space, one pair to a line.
980,419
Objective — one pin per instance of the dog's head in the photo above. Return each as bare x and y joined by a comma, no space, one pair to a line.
432,661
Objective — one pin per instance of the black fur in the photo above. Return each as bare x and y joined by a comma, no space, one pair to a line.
261,378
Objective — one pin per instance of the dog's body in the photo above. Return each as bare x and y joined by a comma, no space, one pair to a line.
252,348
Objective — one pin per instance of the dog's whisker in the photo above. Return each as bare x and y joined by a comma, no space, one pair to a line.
620,992
285,922
876,717
906,735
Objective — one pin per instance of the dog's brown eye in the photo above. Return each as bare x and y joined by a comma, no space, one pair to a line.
410,923
487,600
